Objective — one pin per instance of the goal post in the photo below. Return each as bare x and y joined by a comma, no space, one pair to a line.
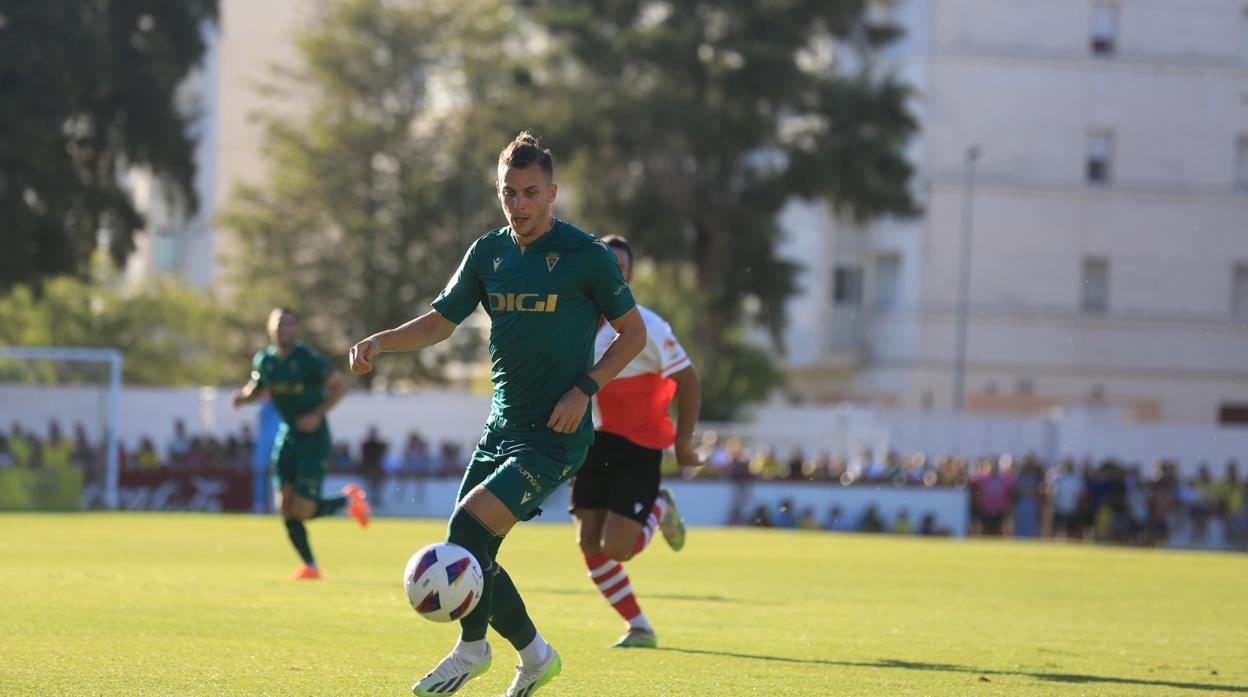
112,359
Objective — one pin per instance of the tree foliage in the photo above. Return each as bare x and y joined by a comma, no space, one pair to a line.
88,92
692,123
685,125
375,191
171,334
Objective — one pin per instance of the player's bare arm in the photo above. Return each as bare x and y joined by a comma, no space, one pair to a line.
335,389
629,342
250,392
688,402
422,332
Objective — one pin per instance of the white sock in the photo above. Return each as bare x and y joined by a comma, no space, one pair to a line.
536,652
473,649
640,622
661,503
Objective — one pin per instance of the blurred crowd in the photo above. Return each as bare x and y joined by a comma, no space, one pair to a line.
1105,501
21,447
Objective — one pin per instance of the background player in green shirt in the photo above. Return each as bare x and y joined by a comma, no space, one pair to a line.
546,286
304,387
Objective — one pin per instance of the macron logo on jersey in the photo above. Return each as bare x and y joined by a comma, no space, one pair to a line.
522,302
497,261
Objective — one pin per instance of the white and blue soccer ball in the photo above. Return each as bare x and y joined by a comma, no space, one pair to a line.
443,582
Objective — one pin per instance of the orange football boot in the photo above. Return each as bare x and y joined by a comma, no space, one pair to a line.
358,507
306,573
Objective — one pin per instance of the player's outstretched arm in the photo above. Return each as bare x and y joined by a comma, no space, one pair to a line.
422,332
248,394
688,403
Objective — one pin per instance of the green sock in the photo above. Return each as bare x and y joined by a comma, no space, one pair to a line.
299,538
468,532
508,615
326,507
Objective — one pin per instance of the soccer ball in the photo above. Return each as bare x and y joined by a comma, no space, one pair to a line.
443,582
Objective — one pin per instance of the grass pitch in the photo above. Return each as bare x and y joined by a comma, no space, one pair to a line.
169,604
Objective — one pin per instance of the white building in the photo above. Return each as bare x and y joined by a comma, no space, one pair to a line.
251,38
1108,218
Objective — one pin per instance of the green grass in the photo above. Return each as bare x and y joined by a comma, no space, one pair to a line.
168,604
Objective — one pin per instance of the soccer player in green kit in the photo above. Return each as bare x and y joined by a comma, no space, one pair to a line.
304,387
546,285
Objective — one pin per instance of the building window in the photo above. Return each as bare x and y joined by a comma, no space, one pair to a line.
1241,164
847,284
888,282
1095,299
1104,28
1239,293
1100,156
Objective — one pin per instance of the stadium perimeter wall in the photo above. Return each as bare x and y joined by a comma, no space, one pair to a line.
457,416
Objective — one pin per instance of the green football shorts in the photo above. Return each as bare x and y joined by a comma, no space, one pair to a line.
301,460
521,468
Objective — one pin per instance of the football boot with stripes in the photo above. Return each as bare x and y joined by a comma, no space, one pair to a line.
451,674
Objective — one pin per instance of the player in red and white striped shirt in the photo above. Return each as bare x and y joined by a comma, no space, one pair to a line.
616,497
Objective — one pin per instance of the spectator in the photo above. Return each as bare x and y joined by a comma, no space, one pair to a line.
340,458
871,520
451,460
197,455
84,455
784,514
806,521
57,450
1027,492
6,455
992,492
928,527
902,525
372,452
1065,492
837,521
761,519
415,457
793,468
179,447
146,458
19,445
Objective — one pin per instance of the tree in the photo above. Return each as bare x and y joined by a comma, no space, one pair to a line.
89,92
374,194
691,123
171,334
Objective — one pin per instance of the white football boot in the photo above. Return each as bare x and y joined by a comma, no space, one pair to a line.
452,672
530,678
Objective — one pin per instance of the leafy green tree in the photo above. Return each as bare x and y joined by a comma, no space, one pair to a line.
691,123
170,334
88,92
375,192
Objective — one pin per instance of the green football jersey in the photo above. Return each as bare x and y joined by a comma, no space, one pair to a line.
545,303
296,383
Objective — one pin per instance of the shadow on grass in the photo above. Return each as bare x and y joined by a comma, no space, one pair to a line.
951,668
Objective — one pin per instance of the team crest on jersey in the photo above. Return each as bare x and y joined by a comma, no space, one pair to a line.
551,260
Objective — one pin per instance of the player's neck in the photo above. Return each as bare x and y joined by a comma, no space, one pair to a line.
546,228
284,352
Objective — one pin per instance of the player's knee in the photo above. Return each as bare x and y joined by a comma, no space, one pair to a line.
617,550
590,547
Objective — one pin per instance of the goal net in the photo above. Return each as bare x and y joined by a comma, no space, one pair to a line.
59,414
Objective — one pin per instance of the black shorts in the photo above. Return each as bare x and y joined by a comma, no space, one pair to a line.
618,475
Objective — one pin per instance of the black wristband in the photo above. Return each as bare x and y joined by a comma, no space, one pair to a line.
587,385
